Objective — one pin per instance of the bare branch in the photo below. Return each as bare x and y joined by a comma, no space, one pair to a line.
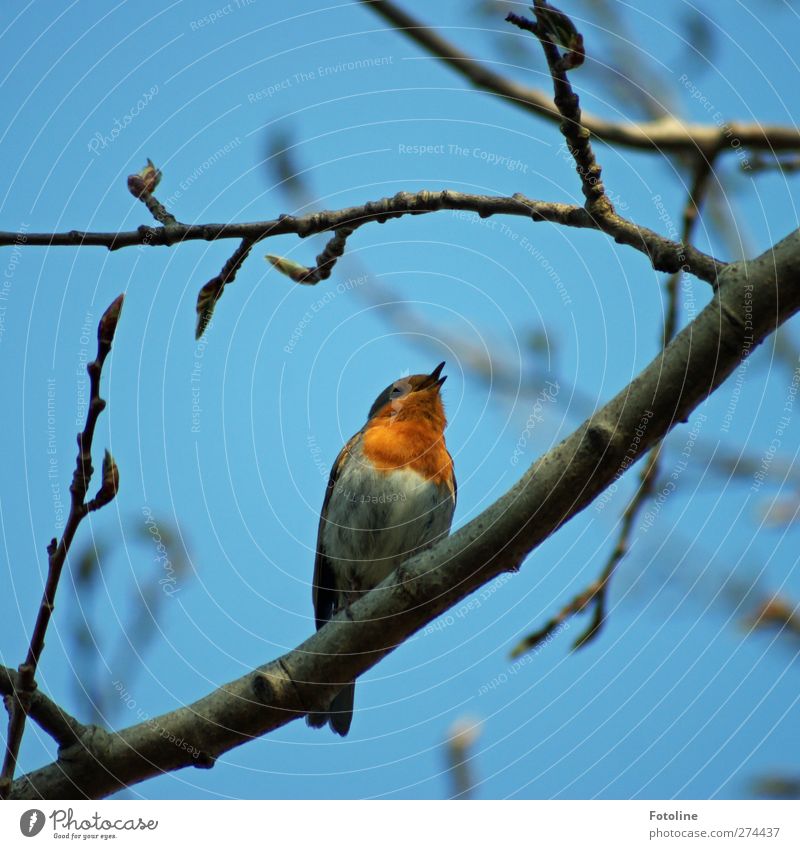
49,716
25,682
211,292
568,105
666,135
142,186
553,29
664,255
325,261
786,164
596,594
461,738
752,300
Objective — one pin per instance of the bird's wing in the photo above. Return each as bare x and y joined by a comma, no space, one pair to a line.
453,498
323,589
455,485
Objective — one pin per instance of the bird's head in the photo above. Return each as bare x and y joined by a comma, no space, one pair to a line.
416,395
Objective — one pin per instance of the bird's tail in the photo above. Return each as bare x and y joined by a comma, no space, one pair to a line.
339,715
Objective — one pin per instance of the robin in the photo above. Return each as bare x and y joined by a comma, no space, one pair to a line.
391,493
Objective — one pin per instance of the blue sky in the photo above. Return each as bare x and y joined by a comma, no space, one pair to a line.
675,698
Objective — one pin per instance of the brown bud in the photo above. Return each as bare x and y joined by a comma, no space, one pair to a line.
293,270
207,299
145,182
108,323
110,485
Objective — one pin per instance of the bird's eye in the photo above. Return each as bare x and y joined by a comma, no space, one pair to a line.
397,391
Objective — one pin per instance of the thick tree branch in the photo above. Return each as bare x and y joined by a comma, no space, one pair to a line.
664,255
753,299
667,135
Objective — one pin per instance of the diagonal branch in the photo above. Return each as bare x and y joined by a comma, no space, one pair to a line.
753,299
57,550
663,135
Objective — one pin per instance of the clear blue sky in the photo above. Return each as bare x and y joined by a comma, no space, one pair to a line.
674,699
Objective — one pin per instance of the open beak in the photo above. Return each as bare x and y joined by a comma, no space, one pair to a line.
433,378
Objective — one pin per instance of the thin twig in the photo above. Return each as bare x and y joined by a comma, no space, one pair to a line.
48,715
703,169
664,254
596,594
25,683
330,254
142,186
553,29
325,261
211,292
787,164
665,135
460,741
568,105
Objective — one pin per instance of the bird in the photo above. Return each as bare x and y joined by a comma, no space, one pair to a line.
391,493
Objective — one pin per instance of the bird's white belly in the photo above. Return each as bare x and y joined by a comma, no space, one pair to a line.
376,521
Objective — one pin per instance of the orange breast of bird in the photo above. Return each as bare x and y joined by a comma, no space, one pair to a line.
416,444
